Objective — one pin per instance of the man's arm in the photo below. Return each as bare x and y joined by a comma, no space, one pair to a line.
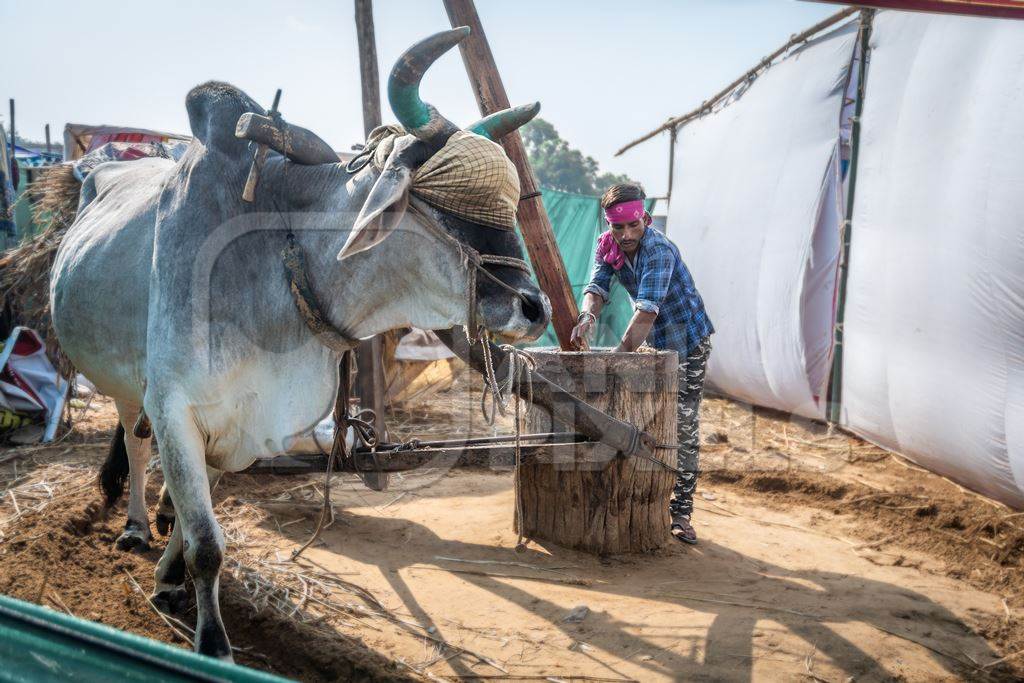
595,295
639,327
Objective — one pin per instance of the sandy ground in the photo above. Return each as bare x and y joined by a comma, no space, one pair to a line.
821,557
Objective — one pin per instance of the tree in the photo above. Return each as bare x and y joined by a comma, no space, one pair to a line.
560,167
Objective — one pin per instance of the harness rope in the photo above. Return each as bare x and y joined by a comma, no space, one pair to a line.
519,361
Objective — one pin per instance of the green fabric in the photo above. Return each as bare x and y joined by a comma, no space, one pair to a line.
577,221
23,210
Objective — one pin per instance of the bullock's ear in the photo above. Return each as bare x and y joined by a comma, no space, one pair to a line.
384,207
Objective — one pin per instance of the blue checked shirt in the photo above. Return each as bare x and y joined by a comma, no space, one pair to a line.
659,282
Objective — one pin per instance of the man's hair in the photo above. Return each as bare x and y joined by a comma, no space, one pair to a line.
623,192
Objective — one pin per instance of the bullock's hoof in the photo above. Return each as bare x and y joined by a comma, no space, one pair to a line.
173,601
212,641
164,523
135,538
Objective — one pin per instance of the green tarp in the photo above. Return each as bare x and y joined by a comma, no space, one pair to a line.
41,645
578,222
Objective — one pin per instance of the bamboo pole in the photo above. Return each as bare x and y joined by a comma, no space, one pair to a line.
533,218
369,354
706,106
835,386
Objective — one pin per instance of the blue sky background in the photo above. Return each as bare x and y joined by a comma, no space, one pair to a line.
131,63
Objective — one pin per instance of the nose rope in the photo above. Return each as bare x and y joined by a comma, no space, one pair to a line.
474,262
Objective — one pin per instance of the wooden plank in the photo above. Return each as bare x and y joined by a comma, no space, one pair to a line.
1003,9
533,218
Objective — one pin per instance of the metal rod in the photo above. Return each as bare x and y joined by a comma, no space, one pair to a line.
705,106
569,437
835,385
566,409
499,456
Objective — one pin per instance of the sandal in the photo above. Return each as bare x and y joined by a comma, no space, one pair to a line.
683,530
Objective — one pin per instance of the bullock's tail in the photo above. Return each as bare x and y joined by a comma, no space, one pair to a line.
25,270
114,472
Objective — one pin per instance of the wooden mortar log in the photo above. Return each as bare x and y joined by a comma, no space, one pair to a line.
621,505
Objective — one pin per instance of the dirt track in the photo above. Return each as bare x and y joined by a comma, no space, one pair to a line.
821,558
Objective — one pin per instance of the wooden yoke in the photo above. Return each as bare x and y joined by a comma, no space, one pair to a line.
271,132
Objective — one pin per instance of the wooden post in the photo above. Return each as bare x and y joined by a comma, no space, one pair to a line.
369,354
533,219
49,146
620,505
671,163
368,74
13,143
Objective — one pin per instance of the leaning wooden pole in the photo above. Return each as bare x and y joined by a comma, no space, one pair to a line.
533,218
370,354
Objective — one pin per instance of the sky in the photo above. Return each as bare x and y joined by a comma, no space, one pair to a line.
605,72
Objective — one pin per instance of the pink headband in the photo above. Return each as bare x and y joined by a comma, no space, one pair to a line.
625,212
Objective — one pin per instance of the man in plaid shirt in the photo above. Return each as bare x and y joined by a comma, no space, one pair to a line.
669,315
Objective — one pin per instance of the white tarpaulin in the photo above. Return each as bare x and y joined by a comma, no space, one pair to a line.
755,213
934,347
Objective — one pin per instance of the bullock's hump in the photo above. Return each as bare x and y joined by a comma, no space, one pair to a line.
213,110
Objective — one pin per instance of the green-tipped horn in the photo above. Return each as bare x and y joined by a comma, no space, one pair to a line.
416,116
501,123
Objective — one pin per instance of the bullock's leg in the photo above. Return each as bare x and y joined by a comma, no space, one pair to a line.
164,512
182,454
136,534
169,595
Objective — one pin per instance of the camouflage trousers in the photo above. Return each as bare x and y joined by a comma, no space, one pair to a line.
691,390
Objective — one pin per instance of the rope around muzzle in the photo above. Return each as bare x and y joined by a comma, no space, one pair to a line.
474,262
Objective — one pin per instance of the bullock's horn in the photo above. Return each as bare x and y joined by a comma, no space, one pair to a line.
501,123
415,115
295,142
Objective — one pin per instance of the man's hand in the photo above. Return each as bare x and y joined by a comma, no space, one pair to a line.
584,330
639,327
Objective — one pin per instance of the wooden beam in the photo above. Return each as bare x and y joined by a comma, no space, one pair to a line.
1003,9
13,150
533,218
706,105
671,163
370,382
